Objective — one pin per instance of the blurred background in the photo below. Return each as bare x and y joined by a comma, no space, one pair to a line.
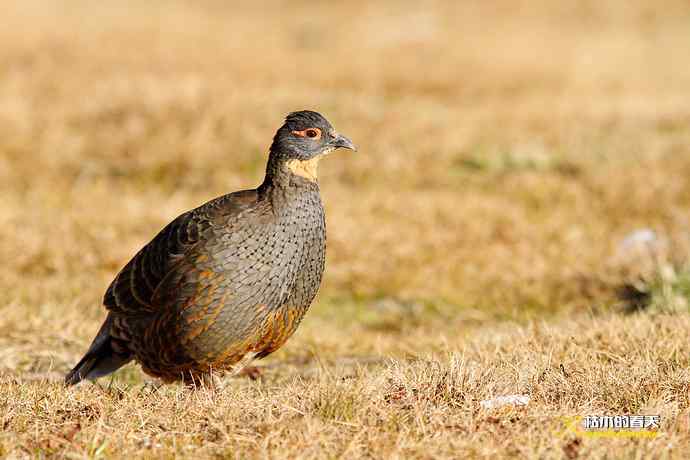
508,150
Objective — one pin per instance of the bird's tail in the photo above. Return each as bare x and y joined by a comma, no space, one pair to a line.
100,360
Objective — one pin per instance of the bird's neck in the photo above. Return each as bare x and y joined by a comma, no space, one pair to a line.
291,173
289,185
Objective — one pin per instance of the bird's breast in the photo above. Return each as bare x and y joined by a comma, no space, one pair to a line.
266,277
267,262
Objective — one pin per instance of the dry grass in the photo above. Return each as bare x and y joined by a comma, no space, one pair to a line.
506,148
421,407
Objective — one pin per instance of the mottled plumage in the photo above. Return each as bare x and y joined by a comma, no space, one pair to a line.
228,280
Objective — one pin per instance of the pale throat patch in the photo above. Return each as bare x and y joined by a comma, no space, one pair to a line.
305,168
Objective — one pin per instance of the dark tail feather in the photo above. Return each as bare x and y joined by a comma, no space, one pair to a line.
100,360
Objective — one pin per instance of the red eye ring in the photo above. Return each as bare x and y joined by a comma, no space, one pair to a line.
311,133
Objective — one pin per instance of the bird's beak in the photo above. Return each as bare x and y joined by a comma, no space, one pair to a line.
341,141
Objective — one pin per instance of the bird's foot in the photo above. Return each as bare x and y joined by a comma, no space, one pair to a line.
252,372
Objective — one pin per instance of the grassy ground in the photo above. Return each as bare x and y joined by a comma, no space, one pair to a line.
506,150
425,406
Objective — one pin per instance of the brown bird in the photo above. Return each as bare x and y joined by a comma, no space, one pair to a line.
228,281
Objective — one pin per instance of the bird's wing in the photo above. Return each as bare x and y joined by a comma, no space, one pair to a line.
177,252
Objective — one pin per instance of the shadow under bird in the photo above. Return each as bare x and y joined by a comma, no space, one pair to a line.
226,282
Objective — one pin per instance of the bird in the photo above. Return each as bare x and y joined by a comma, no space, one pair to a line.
228,281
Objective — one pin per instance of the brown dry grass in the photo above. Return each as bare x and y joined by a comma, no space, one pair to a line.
425,406
505,149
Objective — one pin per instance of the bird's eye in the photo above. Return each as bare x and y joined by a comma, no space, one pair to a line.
312,133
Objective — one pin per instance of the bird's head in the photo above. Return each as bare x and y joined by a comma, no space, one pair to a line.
303,139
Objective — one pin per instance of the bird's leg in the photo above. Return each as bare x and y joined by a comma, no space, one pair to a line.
242,367
152,385
207,380
253,372
211,381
